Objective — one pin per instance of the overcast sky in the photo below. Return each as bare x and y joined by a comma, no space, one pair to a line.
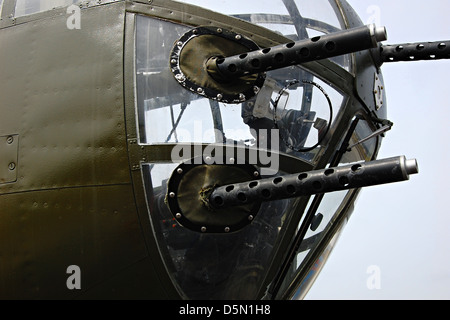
402,230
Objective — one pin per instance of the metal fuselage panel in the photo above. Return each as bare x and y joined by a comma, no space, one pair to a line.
72,202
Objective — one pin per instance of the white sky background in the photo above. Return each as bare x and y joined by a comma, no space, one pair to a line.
404,228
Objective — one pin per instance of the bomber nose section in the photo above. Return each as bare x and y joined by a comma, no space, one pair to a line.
238,211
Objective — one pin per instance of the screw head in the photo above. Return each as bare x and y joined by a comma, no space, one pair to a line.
180,77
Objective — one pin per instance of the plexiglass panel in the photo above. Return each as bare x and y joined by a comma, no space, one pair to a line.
322,14
292,100
236,263
26,7
332,203
295,20
213,266
232,7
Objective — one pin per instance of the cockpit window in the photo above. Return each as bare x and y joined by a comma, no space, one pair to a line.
26,7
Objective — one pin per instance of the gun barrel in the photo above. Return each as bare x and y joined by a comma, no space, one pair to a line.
315,182
415,51
293,53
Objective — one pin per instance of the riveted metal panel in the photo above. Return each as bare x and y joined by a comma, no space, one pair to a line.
72,202
42,233
9,145
62,92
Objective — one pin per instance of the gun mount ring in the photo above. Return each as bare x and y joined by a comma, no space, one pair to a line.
197,49
190,187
